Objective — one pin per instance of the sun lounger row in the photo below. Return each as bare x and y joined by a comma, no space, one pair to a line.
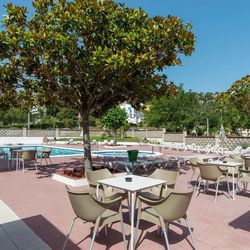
209,148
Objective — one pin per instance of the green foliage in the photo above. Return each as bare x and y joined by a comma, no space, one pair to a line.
95,53
115,118
89,55
234,105
13,116
179,109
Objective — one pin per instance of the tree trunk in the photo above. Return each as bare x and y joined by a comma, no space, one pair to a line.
115,137
86,142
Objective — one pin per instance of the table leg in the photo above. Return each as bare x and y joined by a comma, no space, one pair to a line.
132,205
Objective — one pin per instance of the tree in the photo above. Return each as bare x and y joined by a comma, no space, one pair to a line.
91,55
114,119
238,96
234,104
13,116
181,110
166,111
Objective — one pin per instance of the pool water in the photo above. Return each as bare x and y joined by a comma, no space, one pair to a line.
54,151
71,152
122,153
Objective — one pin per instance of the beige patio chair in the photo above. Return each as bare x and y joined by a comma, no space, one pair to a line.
247,163
162,190
14,155
212,173
30,156
235,170
194,161
104,191
5,156
89,209
45,155
164,211
244,174
244,178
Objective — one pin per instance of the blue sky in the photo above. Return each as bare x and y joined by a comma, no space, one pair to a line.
221,27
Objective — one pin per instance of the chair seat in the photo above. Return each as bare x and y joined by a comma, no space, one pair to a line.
150,215
109,216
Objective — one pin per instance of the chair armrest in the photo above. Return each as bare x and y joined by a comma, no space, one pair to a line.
108,203
152,202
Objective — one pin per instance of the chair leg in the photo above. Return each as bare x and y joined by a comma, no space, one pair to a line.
35,165
92,240
69,232
216,191
122,227
198,188
136,229
192,236
97,223
166,238
50,162
106,230
23,165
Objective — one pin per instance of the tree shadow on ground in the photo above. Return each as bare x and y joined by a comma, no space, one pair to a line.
55,239
242,222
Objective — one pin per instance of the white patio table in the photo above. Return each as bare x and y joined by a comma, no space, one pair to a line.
228,164
138,183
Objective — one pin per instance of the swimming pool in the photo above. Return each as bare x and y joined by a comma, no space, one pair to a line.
59,152
55,152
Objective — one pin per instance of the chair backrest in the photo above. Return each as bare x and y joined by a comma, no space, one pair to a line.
46,153
29,155
247,163
167,175
84,205
94,176
195,161
174,206
236,158
209,172
237,149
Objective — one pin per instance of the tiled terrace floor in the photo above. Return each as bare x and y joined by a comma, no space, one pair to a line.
43,205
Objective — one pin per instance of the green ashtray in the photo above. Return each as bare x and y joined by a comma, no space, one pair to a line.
224,161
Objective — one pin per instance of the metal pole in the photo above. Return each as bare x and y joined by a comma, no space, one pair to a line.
28,120
207,126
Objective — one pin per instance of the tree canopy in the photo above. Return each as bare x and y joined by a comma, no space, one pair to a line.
236,100
90,55
183,110
114,119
